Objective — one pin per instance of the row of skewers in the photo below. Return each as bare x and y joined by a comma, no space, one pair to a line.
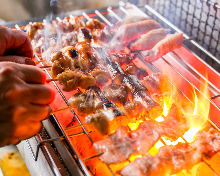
114,91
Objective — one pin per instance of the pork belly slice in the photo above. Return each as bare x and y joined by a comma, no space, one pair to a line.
139,167
134,18
145,136
70,80
86,102
129,32
115,148
172,159
149,40
168,44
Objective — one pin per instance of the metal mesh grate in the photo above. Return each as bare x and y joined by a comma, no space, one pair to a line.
200,19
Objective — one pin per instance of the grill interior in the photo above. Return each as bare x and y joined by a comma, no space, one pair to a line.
182,63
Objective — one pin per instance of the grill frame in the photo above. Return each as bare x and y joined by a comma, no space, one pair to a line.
67,144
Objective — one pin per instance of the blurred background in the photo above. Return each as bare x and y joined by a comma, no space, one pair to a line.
15,10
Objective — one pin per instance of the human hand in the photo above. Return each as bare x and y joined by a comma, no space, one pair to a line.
24,101
15,46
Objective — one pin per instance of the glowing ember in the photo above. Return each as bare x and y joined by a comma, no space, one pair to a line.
135,156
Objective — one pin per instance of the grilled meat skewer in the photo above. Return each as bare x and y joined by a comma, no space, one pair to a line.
165,46
172,159
149,40
129,32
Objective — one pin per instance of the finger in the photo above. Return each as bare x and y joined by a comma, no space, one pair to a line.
32,74
15,40
40,94
25,131
17,59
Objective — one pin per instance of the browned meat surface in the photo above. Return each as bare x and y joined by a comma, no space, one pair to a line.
70,80
132,31
149,40
152,82
116,148
69,24
134,108
86,102
101,76
168,44
32,29
94,24
117,93
134,70
60,63
121,58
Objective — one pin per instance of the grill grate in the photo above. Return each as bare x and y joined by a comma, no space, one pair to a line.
151,66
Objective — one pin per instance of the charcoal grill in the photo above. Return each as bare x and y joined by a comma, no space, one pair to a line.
54,141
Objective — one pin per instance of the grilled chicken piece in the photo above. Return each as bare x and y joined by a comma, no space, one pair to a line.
116,93
86,102
60,63
172,159
70,80
115,148
121,58
134,70
69,24
32,29
101,76
149,40
132,31
134,108
168,44
145,136
105,120
94,24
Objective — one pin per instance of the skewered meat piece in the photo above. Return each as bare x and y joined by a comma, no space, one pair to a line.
86,102
121,58
145,136
139,167
152,82
69,24
84,35
101,76
60,63
172,159
132,31
115,148
134,70
32,29
149,40
104,120
134,19
70,80
94,24
168,44
134,108
117,93
175,124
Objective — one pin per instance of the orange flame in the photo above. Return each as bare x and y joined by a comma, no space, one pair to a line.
199,116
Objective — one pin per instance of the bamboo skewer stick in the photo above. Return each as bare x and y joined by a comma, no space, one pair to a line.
50,80
46,66
37,62
76,126
60,110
